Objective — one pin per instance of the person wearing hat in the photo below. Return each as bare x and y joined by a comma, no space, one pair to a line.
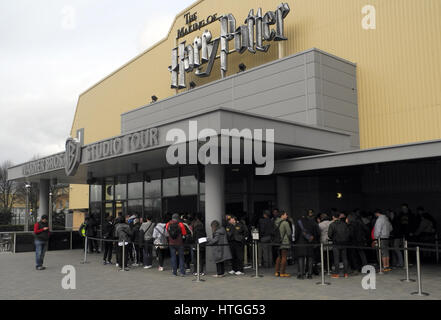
41,240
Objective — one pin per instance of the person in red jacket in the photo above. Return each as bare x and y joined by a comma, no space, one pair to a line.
41,235
176,235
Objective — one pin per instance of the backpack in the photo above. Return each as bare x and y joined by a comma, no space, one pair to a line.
275,234
174,230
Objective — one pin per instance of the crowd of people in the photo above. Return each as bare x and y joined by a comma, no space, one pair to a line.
176,236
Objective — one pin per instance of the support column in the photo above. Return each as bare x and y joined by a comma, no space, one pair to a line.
214,204
284,194
44,198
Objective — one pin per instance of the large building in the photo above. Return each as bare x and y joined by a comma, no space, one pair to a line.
351,89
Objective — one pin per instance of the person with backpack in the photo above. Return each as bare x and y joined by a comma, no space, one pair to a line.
176,231
160,241
284,229
265,233
124,235
339,234
237,234
146,230
198,233
108,236
307,233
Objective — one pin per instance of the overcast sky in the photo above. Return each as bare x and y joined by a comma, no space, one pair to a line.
53,50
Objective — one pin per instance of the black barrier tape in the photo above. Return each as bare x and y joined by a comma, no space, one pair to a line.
315,245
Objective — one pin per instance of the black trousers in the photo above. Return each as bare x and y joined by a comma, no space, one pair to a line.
93,245
148,253
119,255
237,251
161,255
108,249
343,253
139,254
220,266
305,268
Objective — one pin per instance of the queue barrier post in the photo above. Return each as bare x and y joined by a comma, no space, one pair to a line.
379,256
322,262
327,259
406,263
256,260
420,285
437,249
123,262
85,251
198,277
15,241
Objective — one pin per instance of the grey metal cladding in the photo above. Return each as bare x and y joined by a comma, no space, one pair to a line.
310,87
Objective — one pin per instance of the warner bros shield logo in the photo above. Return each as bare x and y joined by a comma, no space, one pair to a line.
73,156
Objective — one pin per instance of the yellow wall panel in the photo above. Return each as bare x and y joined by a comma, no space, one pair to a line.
78,196
398,65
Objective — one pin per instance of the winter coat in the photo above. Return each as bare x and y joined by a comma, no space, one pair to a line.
147,229
123,232
311,228
238,232
358,233
221,250
382,228
137,235
339,232
91,228
198,230
265,228
285,233
160,234
108,230
324,227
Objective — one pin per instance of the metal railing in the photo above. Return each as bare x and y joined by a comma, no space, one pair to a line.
11,240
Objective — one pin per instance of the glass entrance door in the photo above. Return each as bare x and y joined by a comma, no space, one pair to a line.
115,208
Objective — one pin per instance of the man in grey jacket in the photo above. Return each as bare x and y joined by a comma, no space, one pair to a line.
147,229
382,231
123,233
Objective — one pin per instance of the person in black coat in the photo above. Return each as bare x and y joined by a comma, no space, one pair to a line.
307,232
266,227
339,234
91,231
138,243
358,237
237,234
108,229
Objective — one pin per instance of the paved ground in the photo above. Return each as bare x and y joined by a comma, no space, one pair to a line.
19,280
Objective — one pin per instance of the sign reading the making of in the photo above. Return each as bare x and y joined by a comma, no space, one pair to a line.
126,144
257,28
51,163
193,26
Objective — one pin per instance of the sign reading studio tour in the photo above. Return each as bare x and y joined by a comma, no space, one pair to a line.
75,154
204,49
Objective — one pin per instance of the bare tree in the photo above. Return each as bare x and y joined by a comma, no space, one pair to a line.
9,193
